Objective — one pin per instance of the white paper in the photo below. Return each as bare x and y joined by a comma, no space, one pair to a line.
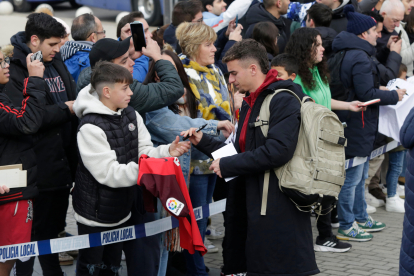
227,150
232,136
13,178
392,117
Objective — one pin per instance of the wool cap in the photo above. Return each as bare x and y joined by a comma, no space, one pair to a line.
357,22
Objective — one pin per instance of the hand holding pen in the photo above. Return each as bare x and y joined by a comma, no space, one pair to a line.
194,134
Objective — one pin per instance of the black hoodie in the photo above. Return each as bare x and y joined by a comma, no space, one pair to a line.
327,35
55,142
257,13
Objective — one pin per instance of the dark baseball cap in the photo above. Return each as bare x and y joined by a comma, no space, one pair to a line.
107,49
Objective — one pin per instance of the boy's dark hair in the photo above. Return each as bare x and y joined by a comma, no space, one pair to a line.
109,73
83,26
286,61
377,17
321,15
403,69
185,11
207,2
43,26
127,19
248,49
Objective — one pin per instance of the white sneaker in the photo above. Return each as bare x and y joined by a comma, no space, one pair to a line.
371,209
123,258
394,204
373,201
210,247
213,234
401,191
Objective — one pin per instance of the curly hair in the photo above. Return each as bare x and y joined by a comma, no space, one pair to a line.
302,45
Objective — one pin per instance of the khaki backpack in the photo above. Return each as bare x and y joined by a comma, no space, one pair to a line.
318,164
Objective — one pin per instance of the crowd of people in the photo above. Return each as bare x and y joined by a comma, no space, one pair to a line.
79,120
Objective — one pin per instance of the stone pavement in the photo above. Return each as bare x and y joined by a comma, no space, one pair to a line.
378,257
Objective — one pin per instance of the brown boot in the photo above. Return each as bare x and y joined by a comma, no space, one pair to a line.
65,259
401,180
378,194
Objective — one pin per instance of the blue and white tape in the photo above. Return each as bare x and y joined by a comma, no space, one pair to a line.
31,249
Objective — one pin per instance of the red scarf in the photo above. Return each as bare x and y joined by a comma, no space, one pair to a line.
271,77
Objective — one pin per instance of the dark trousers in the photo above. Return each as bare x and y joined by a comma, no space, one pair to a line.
49,215
101,260
142,255
324,221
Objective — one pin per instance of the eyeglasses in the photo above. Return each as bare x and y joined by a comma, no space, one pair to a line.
103,32
5,62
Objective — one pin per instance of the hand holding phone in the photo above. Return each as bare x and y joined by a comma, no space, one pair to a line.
34,66
37,56
138,36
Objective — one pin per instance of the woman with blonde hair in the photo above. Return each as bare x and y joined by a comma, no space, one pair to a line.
212,101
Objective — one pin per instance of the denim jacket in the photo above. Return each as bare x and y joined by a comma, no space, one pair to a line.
164,125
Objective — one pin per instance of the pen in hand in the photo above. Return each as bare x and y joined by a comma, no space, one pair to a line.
400,88
198,130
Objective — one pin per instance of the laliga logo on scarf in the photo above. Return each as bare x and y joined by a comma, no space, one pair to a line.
174,206
176,161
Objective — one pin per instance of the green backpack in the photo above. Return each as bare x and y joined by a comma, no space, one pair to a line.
317,167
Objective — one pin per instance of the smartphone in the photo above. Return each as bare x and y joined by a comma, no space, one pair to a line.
237,20
138,35
37,56
370,102
399,35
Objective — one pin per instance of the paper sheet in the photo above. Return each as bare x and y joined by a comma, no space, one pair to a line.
392,117
13,178
225,151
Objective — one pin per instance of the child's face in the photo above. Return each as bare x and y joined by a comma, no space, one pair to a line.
119,96
282,74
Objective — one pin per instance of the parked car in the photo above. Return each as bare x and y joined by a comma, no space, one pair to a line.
153,10
28,5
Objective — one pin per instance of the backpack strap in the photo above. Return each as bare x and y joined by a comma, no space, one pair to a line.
264,126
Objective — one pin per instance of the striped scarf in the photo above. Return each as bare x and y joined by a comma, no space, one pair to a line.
209,88
72,47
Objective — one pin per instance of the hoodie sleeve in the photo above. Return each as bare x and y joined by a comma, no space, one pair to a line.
154,96
101,161
363,82
27,119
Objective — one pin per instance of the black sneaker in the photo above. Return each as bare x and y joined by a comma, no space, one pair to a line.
331,244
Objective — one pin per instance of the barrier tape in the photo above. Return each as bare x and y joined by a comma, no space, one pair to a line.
31,249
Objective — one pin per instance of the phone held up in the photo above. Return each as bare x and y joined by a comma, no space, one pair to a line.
138,35
37,56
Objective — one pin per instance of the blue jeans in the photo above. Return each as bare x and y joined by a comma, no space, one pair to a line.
201,193
404,168
163,260
351,199
395,167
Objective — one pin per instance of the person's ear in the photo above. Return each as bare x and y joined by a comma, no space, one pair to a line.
253,69
106,92
383,13
279,4
292,77
312,23
35,41
94,38
209,8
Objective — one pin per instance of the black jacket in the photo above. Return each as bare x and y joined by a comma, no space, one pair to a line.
93,200
55,148
257,13
339,21
152,96
251,237
382,50
360,73
327,35
16,143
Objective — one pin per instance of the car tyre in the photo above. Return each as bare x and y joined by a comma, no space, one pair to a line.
151,10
